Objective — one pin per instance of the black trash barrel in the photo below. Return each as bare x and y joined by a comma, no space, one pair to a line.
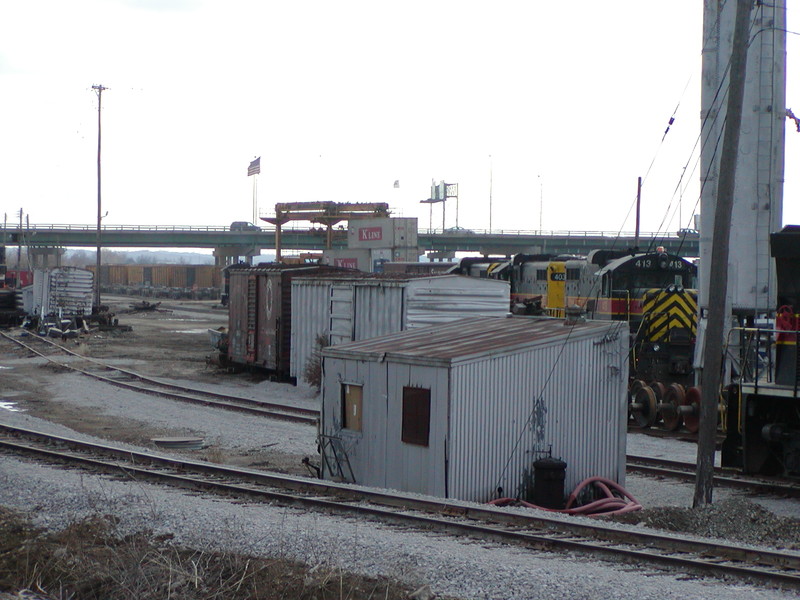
548,482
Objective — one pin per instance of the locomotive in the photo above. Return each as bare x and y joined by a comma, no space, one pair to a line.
654,292
763,406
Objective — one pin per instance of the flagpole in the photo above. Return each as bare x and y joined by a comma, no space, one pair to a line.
255,201
254,169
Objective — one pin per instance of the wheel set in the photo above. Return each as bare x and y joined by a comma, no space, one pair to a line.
673,405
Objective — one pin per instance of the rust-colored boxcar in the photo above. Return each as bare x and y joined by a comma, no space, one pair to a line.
260,314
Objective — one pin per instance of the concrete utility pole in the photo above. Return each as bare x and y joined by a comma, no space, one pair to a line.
718,274
99,89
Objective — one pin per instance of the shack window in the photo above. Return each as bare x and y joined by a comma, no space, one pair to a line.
351,406
416,415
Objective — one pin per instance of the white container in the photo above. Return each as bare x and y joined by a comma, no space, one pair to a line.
62,292
348,258
346,308
382,233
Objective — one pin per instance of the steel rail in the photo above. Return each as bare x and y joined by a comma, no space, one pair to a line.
540,532
272,410
722,476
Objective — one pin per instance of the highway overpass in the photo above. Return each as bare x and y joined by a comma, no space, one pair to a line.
226,242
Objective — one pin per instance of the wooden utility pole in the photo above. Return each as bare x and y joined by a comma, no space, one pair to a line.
99,89
638,212
718,272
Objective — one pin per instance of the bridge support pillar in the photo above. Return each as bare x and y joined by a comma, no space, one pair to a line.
231,255
44,257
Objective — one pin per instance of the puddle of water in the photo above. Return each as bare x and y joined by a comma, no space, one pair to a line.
10,406
2,367
191,331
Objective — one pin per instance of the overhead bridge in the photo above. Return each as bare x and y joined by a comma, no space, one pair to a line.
227,243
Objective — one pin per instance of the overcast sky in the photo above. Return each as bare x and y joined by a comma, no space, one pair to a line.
561,105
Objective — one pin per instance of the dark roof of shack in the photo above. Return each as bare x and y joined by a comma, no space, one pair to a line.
467,339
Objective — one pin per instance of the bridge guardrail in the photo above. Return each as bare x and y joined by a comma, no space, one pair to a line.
270,229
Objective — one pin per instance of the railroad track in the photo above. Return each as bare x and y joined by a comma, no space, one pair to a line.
672,469
536,530
131,380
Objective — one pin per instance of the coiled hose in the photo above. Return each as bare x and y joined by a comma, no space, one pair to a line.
617,500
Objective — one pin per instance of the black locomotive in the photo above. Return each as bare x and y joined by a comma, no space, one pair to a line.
763,406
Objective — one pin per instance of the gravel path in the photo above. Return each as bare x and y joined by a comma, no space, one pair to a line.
452,567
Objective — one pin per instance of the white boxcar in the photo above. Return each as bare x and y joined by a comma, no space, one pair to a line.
346,308
399,232
63,292
463,410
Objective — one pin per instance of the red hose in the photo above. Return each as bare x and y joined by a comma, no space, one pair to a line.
617,500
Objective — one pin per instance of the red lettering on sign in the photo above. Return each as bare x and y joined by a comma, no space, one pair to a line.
347,263
367,234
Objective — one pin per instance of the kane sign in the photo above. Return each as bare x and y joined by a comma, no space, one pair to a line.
347,263
369,234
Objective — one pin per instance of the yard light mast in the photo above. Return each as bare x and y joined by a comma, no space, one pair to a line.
99,89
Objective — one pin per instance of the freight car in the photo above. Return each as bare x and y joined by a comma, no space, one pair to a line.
260,315
763,405
654,292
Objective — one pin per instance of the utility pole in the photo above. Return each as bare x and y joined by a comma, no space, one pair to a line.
490,193
718,273
19,245
99,89
638,212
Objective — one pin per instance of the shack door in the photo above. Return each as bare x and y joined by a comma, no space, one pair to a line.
341,314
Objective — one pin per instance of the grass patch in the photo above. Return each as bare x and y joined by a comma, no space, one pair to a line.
89,560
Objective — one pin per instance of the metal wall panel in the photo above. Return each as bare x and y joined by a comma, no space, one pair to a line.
365,450
412,467
237,317
310,319
378,309
436,300
567,398
135,275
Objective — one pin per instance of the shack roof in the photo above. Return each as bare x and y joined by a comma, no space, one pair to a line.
388,278
472,338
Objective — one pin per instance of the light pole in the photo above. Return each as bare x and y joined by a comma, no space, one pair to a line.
99,89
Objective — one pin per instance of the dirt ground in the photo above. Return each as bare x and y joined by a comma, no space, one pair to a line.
171,342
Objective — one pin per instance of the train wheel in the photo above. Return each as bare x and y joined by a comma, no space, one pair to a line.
634,386
660,390
673,398
643,408
691,409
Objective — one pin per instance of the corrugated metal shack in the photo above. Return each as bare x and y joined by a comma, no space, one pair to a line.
259,314
358,306
462,409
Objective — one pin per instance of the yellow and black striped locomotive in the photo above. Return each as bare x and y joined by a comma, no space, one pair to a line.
654,292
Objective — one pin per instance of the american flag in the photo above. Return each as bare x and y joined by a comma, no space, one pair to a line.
255,167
